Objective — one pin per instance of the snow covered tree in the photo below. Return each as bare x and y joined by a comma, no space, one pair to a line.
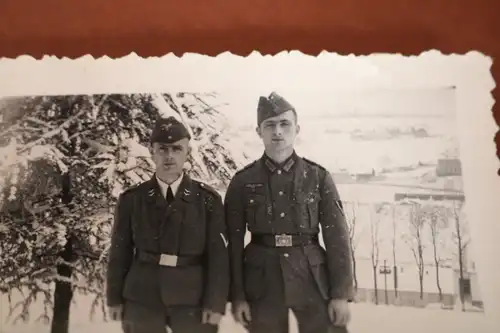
47,133
415,239
375,243
437,220
461,237
215,156
67,159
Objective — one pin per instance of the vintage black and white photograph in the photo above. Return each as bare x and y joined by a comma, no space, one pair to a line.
302,196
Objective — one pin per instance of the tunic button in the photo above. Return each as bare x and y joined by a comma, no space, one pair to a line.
282,214
286,255
281,193
279,172
251,200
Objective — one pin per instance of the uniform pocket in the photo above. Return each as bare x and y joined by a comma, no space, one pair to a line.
308,210
317,264
254,275
313,210
255,208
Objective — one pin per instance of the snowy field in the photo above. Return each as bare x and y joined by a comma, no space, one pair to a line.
362,144
366,318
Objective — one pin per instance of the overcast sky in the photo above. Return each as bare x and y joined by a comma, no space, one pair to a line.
316,87
322,102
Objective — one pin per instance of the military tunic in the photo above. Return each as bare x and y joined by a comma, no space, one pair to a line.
297,198
192,226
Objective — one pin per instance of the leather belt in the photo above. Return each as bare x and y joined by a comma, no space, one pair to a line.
284,240
169,260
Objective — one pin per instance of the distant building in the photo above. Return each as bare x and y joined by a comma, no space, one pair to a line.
470,282
429,196
365,176
362,196
449,167
342,177
449,172
407,283
449,180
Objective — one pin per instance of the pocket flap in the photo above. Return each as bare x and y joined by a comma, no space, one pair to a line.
255,199
309,197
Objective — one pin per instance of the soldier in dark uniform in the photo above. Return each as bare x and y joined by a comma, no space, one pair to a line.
283,199
168,261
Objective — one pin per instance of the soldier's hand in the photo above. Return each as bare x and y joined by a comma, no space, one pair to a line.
116,312
241,313
339,312
210,317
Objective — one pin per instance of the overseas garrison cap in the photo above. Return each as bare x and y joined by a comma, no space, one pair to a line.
272,106
169,130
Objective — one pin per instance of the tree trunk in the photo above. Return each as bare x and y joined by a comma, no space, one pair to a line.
421,280
395,272
354,269
375,288
63,293
354,274
436,262
421,265
460,265
421,272
438,284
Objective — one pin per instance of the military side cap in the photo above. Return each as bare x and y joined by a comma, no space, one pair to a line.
272,106
169,130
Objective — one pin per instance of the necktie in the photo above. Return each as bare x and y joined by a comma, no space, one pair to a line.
170,195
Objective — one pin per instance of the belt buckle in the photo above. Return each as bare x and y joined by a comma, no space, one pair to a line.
168,260
283,240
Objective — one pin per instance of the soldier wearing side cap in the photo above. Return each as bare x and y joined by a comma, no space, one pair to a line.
168,262
283,199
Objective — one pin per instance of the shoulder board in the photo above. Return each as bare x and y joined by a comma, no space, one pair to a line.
133,188
246,167
208,188
314,163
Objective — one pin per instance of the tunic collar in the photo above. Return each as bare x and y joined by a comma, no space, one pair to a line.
164,186
286,165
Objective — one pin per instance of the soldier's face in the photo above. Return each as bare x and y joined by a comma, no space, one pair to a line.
169,158
279,132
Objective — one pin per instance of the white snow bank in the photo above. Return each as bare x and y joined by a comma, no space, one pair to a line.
365,318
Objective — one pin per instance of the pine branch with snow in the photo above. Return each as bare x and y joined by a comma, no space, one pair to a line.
98,143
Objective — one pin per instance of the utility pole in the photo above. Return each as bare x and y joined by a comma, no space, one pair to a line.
385,270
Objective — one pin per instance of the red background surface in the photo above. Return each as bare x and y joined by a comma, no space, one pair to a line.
155,27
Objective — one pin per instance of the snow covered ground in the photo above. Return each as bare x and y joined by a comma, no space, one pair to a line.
366,318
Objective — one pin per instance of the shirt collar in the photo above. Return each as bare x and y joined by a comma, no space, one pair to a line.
286,165
164,186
